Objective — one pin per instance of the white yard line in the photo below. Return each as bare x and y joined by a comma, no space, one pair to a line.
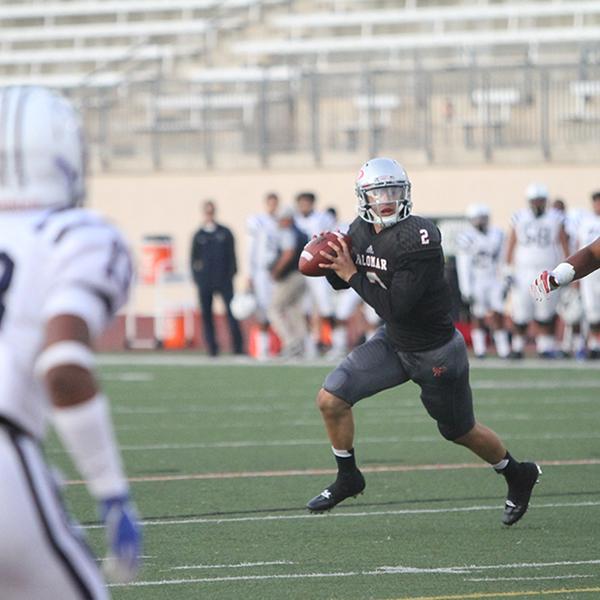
233,566
344,515
240,578
536,385
527,578
196,360
400,570
129,377
469,568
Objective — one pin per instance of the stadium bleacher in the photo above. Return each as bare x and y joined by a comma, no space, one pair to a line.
350,46
322,74
440,18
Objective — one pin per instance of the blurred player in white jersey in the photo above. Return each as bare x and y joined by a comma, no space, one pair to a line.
320,295
480,250
63,274
583,263
263,232
587,232
570,307
346,303
537,238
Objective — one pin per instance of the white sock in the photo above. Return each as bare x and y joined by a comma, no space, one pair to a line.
594,342
478,338
566,343
310,346
501,343
338,339
501,465
262,344
544,343
518,342
341,453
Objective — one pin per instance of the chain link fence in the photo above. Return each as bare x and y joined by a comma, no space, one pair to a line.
463,116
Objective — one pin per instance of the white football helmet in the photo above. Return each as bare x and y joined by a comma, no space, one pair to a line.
42,150
243,305
478,215
478,211
537,196
381,182
536,190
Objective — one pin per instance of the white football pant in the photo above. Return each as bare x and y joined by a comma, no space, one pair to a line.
262,286
524,308
41,555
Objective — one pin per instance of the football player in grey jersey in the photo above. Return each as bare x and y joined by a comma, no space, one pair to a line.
397,266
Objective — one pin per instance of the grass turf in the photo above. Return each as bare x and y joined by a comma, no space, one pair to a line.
417,532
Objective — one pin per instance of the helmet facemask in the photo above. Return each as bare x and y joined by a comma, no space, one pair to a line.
538,206
383,192
537,196
385,205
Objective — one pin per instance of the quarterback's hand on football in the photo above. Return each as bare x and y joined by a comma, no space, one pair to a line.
123,539
340,260
544,283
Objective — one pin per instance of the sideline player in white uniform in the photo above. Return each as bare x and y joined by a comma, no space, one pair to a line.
537,238
313,222
63,274
588,232
480,249
577,266
263,232
570,307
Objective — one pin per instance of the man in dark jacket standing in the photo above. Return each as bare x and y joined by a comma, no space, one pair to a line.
213,266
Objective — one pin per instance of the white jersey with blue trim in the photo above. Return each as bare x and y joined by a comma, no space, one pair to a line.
588,229
484,250
262,243
538,238
314,223
571,220
52,263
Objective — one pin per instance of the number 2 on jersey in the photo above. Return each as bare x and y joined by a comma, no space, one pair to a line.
7,266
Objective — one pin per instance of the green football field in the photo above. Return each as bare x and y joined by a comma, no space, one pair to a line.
223,458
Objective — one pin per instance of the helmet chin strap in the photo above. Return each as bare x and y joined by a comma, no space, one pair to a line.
390,222
378,219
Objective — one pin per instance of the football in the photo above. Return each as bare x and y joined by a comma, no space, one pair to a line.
311,255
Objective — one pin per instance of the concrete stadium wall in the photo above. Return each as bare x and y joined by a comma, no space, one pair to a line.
169,203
